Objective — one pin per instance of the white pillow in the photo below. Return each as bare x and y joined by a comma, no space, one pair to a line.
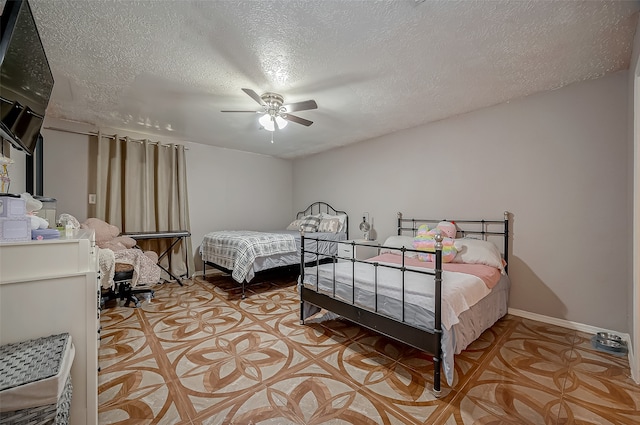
341,217
397,241
477,251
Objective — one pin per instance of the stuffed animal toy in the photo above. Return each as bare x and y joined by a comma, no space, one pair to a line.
425,241
143,263
32,207
104,232
107,237
68,221
447,229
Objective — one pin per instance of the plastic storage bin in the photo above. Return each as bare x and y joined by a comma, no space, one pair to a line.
35,381
12,207
48,210
15,229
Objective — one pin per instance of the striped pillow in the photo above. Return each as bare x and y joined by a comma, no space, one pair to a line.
307,223
295,224
310,223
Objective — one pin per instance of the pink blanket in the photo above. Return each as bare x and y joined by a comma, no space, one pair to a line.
489,275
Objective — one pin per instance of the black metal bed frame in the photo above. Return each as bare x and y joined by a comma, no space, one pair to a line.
428,340
315,208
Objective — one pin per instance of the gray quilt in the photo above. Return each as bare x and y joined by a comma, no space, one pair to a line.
237,249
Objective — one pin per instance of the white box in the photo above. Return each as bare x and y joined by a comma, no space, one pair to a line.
15,229
12,207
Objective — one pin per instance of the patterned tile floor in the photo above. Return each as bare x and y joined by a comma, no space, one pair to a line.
200,354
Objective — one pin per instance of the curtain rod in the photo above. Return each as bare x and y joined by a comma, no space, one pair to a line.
109,136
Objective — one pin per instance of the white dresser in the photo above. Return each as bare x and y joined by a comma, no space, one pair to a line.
49,287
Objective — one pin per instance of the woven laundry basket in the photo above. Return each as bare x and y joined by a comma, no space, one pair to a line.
35,381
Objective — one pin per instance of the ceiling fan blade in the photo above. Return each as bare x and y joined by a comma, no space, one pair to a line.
253,112
296,119
254,96
301,106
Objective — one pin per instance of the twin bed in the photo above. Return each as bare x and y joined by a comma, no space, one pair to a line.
435,306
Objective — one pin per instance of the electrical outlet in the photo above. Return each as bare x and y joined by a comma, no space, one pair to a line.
92,198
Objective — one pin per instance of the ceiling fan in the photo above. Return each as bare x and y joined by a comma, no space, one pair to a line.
275,113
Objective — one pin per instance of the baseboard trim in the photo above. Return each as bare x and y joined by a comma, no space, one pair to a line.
579,327
635,373
209,272
563,323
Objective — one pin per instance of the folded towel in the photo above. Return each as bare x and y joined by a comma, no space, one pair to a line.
40,234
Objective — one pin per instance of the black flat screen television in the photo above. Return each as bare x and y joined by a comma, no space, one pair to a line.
26,80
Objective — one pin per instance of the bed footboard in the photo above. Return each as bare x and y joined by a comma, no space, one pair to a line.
422,339
428,340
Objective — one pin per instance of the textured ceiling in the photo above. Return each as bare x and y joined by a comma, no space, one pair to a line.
167,68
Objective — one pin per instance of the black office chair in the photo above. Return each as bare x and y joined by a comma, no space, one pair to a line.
123,291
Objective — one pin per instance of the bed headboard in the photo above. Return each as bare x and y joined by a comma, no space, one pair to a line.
496,231
323,207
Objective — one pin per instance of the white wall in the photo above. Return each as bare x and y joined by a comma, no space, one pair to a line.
557,161
227,189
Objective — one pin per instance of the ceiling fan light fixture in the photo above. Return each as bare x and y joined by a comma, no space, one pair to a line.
275,114
267,122
282,123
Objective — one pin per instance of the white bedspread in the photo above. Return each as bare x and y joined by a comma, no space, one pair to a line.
237,249
460,291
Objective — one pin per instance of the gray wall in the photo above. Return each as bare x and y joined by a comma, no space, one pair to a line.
232,190
634,196
17,170
67,171
557,161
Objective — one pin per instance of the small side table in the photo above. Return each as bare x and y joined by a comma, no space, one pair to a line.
359,252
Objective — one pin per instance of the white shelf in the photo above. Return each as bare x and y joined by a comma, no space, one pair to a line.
49,287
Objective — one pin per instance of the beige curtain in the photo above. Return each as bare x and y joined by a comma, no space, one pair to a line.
142,187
